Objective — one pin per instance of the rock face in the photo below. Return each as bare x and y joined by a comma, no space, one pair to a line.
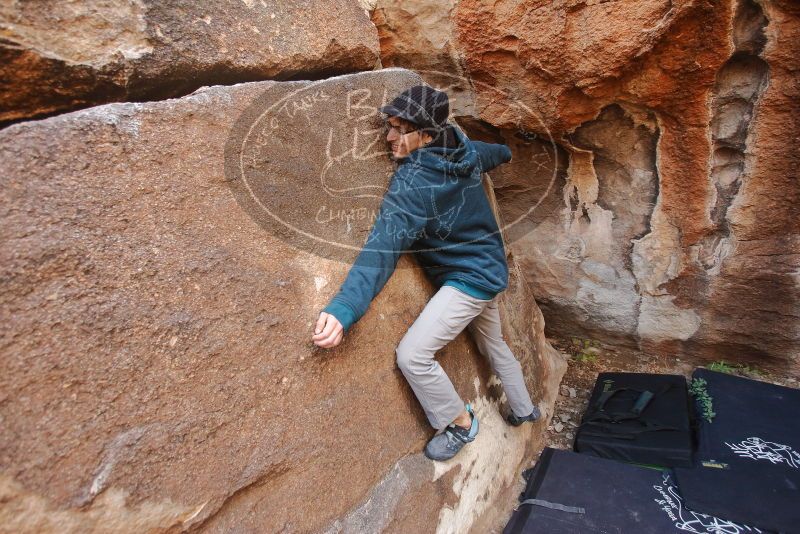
59,56
421,34
157,369
655,173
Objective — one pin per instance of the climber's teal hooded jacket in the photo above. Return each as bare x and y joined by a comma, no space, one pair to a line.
435,208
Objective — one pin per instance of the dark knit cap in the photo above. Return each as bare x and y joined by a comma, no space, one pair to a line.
426,107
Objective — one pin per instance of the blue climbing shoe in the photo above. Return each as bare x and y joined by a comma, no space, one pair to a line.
516,421
447,444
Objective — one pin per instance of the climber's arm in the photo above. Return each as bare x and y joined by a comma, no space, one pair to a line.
490,155
400,220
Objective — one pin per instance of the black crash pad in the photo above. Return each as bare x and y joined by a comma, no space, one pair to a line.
747,464
574,493
660,435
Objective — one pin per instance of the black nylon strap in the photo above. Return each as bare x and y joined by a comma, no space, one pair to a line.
599,413
603,423
614,430
605,396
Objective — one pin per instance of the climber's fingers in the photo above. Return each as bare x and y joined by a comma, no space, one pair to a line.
325,326
323,316
330,332
332,340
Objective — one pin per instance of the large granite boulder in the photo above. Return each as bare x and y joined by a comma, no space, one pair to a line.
60,56
158,301
655,174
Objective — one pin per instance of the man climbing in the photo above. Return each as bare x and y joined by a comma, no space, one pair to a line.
436,208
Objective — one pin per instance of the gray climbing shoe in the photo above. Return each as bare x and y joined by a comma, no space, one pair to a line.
447,444
516,421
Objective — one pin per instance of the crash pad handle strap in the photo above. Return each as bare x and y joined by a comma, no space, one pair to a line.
644,398
642,402
606,396
554,506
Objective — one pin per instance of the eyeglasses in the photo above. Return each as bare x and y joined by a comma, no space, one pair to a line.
388,127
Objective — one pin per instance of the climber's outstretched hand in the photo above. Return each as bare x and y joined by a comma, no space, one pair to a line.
328,332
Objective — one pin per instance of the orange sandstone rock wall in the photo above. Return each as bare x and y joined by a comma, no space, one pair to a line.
655,174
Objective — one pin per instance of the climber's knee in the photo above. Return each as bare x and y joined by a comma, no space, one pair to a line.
411,358
405,355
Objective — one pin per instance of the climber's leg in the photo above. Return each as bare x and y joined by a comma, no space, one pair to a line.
447,313
487,333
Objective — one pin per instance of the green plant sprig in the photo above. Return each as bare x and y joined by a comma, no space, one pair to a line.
698,390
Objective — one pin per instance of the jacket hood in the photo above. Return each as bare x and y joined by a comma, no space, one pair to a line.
459,161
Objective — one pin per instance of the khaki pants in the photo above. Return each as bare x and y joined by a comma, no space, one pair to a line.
447,313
